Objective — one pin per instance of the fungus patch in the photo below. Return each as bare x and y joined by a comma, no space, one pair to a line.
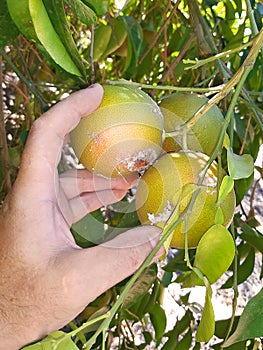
163,216
140,161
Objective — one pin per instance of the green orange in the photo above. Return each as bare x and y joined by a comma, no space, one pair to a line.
203,136
169,185
123,136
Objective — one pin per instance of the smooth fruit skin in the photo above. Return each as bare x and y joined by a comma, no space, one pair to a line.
123,136
178,108
158,193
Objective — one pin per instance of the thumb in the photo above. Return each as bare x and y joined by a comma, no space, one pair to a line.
99,268
43,148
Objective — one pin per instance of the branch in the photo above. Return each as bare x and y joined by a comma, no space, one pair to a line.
29,84
178,58
158,33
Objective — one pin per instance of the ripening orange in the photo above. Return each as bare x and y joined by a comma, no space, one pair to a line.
123,136
169,184
178,108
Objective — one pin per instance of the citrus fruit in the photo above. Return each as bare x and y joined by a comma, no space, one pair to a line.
169,185
123,136
177,109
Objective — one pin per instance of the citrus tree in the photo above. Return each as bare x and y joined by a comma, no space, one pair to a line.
201,61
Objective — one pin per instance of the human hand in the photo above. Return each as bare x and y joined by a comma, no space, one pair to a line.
45,278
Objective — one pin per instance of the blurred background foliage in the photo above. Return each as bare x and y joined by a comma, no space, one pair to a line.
49,48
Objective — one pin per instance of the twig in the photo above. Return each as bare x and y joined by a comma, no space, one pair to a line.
202,62
245,136
30,86
178,58
158,34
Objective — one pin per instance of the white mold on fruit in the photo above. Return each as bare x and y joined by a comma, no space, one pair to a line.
163,216
140,161
95,137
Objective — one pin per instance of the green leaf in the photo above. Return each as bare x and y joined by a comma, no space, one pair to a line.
180,327
167,278
20,14
225,188
135,39
49,38
215,252
37,346
83,12
56,12
8,30
54,341
237,346
189,279
128,214
66,344
219,217
89,230
158,318
147,337
242,186
239,167
252,237
185,342
136,311
118,36
99,6
250,324
206,326
178,262
244,270
222,326
102,35
197,346
141,286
